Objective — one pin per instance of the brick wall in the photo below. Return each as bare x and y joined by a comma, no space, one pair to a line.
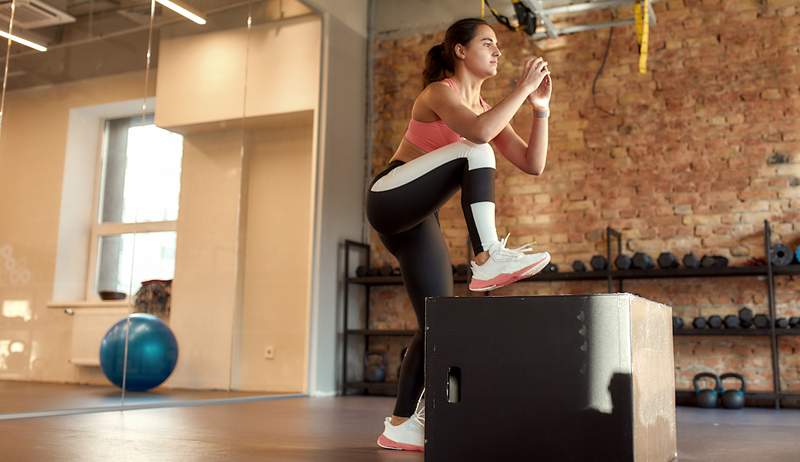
693,157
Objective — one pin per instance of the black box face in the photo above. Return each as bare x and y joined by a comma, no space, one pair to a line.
528,378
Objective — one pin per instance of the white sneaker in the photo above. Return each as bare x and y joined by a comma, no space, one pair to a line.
409,435
506,266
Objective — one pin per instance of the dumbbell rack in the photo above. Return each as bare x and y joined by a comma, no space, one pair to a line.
770,272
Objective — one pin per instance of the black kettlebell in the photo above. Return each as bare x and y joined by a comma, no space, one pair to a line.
732,398
706,397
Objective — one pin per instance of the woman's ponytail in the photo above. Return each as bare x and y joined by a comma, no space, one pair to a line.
435,65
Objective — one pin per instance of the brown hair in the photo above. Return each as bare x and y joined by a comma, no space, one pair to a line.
440,59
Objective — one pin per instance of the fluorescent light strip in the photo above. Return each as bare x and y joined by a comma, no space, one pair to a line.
22,41
183,11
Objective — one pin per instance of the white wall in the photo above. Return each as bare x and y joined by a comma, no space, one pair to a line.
215,330
340,183
351,13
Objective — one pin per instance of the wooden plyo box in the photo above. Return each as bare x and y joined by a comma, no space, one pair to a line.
549,378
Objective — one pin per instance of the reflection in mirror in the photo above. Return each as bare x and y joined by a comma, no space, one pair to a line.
212,83
269,340
108,197
72,70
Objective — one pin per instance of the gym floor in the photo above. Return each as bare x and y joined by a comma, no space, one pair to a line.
18,397
332,430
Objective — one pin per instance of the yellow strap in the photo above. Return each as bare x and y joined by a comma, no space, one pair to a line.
483,9
637,17
645,36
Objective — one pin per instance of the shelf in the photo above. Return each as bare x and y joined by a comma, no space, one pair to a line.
91,304
392,280
791,269
375,387
763,272
384,332
680,332
765,395
733,271
682,396
735,332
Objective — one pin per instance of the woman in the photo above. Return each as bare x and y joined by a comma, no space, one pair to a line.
446,148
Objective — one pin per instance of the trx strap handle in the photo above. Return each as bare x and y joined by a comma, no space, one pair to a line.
642,31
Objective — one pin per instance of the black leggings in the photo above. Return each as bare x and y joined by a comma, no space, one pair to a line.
402,205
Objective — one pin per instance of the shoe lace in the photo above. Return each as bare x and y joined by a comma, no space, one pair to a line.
419,412
517,252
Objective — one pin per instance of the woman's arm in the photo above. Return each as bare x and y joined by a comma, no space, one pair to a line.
529,157
484,127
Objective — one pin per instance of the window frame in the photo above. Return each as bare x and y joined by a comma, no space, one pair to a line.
100,229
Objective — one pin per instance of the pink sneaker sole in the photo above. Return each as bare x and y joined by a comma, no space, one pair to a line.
386,443
502,280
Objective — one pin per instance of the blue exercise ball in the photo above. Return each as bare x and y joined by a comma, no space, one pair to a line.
152,352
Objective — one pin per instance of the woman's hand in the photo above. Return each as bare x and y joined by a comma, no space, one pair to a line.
540,98
533,74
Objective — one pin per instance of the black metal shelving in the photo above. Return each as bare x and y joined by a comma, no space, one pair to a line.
768,271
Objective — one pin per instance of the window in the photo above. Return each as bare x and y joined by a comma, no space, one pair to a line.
134,230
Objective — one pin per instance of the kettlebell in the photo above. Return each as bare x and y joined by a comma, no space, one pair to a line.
706,397
374,367
732,398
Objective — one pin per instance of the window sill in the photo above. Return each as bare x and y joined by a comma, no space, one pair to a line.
91,304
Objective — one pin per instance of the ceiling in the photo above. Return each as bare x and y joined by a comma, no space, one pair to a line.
112,36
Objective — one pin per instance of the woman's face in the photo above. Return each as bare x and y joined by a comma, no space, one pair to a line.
481,55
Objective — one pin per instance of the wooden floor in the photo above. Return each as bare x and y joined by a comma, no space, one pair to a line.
332,430
25,397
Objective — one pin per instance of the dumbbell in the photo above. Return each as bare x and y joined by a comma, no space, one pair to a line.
599,263
714,261
746,318
699,323
666,260
691,261
396,271
578,266
782,323
707,261
386,270
715,322
551,268
731,321
373,271
642,261
761,321
622,262
361,271
781,255
677,323
794,322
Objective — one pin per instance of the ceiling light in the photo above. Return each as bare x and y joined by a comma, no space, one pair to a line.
183,10
22,41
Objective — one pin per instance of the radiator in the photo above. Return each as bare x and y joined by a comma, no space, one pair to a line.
89,325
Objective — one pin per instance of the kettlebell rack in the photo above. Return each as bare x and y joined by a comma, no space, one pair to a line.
683,396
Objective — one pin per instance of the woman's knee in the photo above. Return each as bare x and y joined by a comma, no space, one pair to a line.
480,156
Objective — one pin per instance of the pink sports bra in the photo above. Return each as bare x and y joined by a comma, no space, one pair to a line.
433,135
